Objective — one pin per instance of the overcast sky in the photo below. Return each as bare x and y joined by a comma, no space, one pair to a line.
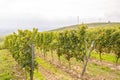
50,14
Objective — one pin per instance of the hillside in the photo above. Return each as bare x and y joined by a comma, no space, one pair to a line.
90,25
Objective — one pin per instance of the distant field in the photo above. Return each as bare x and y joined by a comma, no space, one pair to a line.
90,25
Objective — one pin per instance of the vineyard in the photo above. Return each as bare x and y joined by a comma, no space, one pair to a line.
63,55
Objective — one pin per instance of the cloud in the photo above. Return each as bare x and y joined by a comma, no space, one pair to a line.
49,14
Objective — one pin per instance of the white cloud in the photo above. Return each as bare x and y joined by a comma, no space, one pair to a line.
62,8
57,12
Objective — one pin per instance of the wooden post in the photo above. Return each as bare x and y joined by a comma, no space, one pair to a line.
32,64
84,69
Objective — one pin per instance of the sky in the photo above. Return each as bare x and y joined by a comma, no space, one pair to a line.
50,14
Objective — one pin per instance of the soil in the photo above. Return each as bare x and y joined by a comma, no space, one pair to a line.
47,74
73,72
107,64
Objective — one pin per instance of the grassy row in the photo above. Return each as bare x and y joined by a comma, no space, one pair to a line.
105,57
102,72
8,69
38,75
53,69
6,66
94,70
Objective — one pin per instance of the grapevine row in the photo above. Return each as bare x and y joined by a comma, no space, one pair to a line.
70,43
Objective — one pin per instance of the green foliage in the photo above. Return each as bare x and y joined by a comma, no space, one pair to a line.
107,40
70,43
19,44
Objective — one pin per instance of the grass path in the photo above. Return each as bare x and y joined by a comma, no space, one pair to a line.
51,72
106,57
95,70
107,64
9,69
47,74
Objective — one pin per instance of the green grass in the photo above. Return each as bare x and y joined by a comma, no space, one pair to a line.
9,70
105,57
6,66
46,65
93,70
97,69
53,69
38,75
90,25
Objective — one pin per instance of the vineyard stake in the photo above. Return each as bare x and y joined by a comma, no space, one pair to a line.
32,64
84,69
